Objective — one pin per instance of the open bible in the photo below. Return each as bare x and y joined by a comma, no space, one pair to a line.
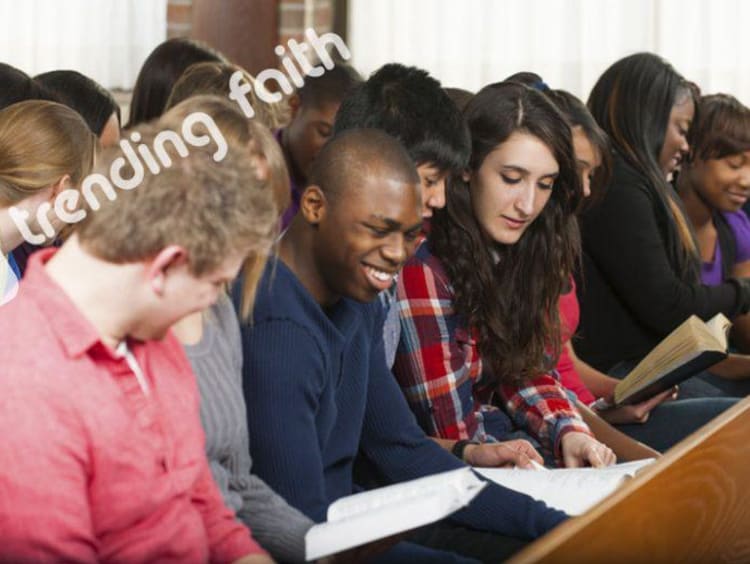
572,490
372,515
694,346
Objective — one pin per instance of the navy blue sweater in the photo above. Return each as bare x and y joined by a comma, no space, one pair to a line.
318,389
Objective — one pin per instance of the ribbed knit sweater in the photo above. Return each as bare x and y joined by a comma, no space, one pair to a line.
217,363
318,391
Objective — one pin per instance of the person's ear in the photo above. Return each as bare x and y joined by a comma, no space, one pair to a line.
466,175
59,186
313,204
158,267
294,103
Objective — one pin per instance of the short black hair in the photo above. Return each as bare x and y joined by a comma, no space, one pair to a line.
17,86
84,95
409,104
345,158
459,96
329,88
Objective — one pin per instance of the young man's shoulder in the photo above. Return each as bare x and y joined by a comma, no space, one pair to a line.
28,342
281,297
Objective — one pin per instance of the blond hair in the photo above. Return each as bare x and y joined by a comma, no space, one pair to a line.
259,141
211,209
40,143
212,78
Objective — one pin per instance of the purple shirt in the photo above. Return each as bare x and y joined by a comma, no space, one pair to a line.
296,189
740,226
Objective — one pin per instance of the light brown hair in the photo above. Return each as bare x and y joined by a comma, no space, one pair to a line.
40,143
212,209
212,78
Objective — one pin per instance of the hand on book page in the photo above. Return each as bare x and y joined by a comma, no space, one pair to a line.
580,449
508,454
368,516
573,490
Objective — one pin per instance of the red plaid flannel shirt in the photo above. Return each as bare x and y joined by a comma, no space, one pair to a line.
439,369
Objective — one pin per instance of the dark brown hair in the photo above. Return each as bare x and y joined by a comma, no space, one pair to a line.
160,71
510,298
722,127
578,115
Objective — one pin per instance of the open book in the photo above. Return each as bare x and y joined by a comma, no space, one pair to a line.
572,490
692,347
368,516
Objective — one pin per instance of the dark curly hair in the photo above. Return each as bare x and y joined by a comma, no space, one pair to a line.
509,293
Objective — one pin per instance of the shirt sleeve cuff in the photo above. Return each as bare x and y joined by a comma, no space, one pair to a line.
568,425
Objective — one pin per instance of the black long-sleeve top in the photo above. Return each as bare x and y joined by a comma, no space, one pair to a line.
632,293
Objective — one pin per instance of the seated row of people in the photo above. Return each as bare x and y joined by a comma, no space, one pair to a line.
463,223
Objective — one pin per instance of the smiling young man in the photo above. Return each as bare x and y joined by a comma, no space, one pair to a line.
317,386
409,104
103,454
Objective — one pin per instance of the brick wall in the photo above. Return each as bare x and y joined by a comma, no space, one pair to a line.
179,18
294,17
297,15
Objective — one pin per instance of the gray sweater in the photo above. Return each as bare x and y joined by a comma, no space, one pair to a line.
217,363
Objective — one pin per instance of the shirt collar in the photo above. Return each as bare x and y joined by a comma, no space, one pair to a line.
76,333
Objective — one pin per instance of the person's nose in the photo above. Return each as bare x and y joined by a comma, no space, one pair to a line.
394,250
525,200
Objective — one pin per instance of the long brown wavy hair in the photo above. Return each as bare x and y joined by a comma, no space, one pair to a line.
508,294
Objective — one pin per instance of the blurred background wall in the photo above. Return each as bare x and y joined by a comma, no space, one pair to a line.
465,43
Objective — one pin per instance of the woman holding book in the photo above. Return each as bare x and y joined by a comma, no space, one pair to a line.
653,422
714,184
640,263
478,299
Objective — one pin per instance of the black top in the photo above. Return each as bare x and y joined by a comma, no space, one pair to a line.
632,294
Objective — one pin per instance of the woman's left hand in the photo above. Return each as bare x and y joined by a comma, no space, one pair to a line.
581,449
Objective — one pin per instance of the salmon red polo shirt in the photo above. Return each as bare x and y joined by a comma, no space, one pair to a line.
93,469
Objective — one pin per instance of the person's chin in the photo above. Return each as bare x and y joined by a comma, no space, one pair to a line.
362,294
508,238
733,202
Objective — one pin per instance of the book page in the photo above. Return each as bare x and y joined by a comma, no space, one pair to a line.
689,341
368,516
719,327
572,490
364,502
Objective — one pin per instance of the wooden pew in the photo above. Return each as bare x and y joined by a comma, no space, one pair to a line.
625,448
691,506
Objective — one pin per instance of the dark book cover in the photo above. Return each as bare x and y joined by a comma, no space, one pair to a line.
701,362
